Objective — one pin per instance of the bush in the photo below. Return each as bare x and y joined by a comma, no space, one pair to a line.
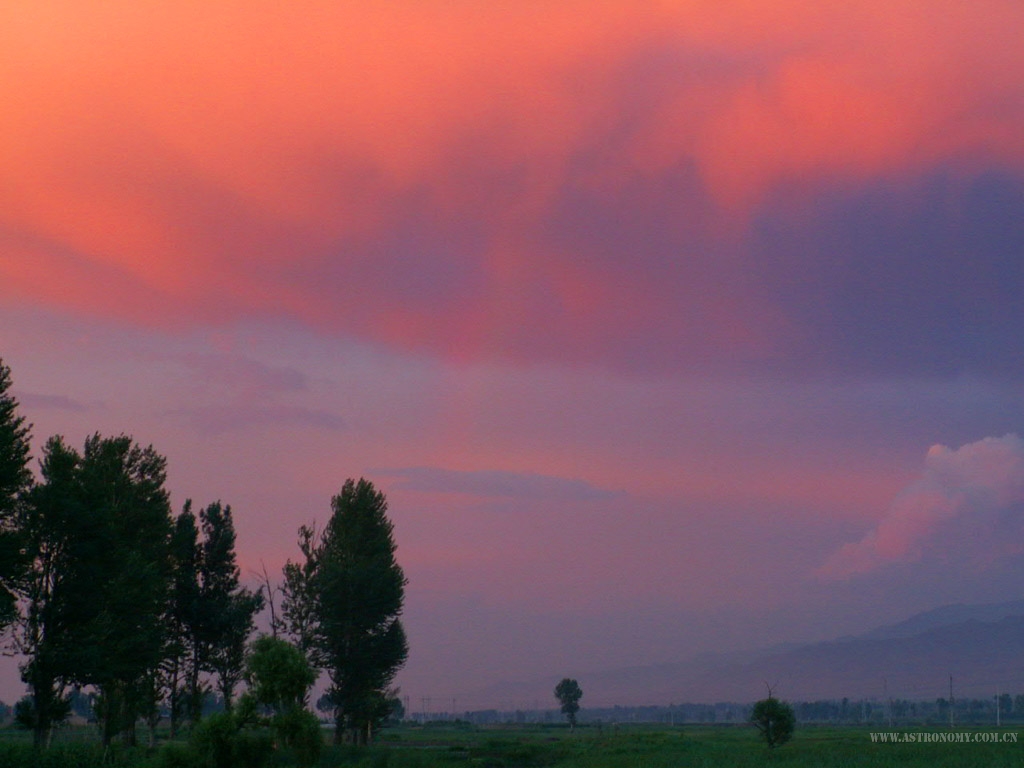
220,742
299,731
774,719
177,756
57,756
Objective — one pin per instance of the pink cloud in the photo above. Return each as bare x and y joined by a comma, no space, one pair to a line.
962,508
190,164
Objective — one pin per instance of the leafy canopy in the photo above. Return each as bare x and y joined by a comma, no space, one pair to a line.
343,601
774,719
569,693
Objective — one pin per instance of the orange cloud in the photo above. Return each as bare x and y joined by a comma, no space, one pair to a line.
207,161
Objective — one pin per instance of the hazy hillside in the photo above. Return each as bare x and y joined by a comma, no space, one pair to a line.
981,646
947,615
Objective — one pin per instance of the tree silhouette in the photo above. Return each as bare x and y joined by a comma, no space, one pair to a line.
774,719
15,481
343,602
228,609
569,693
97,531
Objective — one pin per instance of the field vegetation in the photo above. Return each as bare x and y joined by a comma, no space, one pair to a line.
535,746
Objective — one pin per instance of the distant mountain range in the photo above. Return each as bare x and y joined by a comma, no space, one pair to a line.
981,646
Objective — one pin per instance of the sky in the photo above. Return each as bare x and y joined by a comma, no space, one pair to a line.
665,326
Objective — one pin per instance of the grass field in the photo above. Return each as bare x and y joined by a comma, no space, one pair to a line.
546,747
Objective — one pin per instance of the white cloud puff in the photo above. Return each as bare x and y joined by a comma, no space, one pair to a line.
966,507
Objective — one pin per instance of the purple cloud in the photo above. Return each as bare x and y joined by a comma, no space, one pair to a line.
218,419
495,484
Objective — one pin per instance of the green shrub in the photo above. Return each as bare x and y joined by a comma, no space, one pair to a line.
774,719
299,731
219,742
177,756
57,756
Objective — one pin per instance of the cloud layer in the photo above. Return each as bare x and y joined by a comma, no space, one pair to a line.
631,184
495,483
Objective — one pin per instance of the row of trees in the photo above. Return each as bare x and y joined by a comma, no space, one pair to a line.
101,586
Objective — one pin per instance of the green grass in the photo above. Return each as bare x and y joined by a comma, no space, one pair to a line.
659,747
546,747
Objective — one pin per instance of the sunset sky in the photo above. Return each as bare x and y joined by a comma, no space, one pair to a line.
666,327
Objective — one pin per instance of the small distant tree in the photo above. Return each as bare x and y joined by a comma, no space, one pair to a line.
1005,703
396,709
569,693
774,719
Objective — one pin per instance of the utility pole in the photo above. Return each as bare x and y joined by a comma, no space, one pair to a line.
951,702
997,706
888,701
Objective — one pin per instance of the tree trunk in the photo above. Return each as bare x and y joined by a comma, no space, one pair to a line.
108,728
152,721
43,698
42,727
174,698
195,693
339,730
227,692
126,718
175,704
41,734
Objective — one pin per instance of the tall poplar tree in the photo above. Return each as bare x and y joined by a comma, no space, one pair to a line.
353,589
228,610
52,524
125,565
15,480
183,664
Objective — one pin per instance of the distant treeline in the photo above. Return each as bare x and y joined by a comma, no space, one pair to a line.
899,712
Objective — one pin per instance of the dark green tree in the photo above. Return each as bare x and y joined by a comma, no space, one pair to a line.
279,678
15,481
349,591
774,719
569,693
278,674
183,662
228,609
26,714
52,524
299,606
114,576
